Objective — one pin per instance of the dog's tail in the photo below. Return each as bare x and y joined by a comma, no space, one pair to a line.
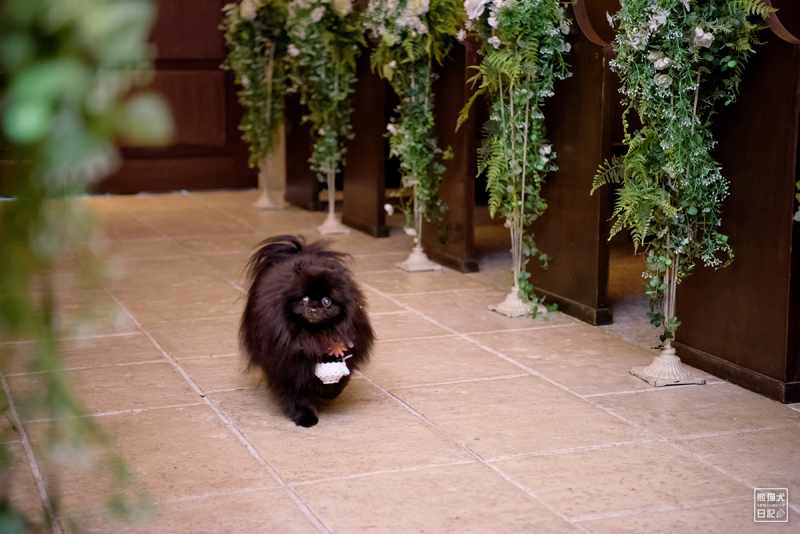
280,248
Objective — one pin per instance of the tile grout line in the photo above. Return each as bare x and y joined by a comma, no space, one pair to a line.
387,471
228,423
467,380
207,357
523,456
648,390
413,338
86,367
117,412
469,451
729,432
79,338
32,463
689,506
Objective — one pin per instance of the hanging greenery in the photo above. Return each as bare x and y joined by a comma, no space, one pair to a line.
677,59
257,43
326,38
66,71
523,47
411,35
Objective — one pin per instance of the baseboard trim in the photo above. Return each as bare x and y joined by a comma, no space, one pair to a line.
785,392
587,314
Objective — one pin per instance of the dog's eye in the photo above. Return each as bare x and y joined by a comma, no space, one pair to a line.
326,302
305,300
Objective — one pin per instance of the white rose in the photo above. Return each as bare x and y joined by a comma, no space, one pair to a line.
655,56
393,64
662,63
342,7
658,19
702,39
245,81
391,128
494,41
316,15
247,9
418,7
474,8
389,209
493,22
609,19
293,51
461,34
663,80
545,150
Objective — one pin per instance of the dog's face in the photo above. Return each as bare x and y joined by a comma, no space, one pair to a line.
317,296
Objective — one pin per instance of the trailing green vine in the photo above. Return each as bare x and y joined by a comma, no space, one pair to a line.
523,47
257,44
677,60
66,72
326,38
411,35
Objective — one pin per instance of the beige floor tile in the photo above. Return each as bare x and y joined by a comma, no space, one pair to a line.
728,518
400,282
403,325
499,418
88,352
125,250
157,305
160,273
19,482
110,389
121,225
232,267
226,372
581,357
89,313
762,459
172,453
700,410
379,304
267,511
612,480
468,311
193,221
377,262
361,431
433,361
220,244
357,243
497,278
462,498
216,336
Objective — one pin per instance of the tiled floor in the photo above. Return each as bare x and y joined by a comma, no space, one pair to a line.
464,421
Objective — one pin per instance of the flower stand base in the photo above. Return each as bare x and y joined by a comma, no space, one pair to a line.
667,370
332,226
513,306
264,202
418,262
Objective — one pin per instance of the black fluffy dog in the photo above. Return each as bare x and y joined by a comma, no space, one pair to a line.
303,308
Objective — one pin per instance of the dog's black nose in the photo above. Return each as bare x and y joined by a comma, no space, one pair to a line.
313,311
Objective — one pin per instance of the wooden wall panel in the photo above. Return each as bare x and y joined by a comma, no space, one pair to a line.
742,323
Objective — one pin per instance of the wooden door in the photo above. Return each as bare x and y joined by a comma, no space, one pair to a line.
207,151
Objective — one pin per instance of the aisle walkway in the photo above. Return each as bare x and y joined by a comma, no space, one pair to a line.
465,421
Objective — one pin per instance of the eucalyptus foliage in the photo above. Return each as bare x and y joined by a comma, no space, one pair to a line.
257,43
523,47
66,70
411,35
677,59
326,38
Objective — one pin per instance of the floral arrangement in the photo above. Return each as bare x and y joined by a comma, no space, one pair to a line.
326,38
411,35
257,43
67,74
523,47
677,60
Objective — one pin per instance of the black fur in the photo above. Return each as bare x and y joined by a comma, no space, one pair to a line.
285,334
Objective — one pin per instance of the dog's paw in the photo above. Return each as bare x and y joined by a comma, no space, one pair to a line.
305,418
